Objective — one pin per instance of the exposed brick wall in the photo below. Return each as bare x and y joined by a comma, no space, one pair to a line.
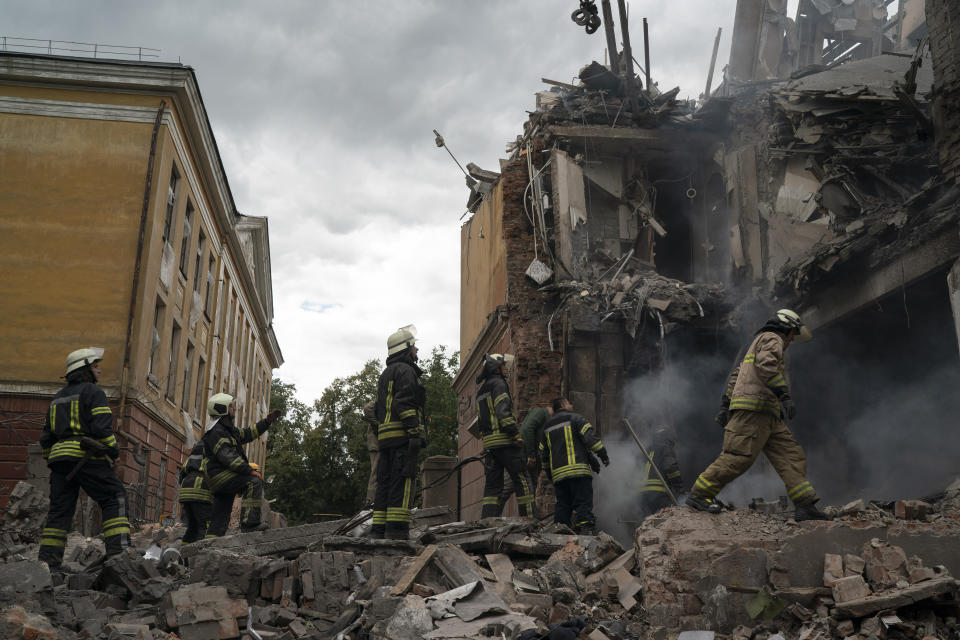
943,22
537,372
21,419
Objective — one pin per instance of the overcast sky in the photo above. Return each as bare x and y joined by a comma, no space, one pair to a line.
323,113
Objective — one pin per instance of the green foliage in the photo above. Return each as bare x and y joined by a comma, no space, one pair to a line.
317,454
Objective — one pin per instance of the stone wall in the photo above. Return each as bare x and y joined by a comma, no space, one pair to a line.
943,21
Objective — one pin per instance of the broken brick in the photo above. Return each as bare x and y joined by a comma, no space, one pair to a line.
850,588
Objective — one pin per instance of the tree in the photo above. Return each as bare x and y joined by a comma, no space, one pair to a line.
317,454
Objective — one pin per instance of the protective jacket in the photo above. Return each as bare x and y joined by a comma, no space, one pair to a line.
400,401
223,450
664,455
532,428
567,438
194,486
495,419
79,409
759,381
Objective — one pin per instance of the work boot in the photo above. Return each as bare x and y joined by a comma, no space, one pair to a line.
703,504
808,511
397,534
587,530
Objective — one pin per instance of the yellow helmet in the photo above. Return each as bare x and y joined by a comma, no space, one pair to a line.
402,338
83,357
218,404
791,319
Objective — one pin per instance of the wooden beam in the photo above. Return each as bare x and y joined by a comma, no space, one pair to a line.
408,577
557,83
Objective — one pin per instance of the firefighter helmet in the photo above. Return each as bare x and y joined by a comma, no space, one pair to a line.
402,338
791,320
219,404
83,357
500,358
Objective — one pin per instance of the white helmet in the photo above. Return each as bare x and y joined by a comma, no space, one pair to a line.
218,404
402,338
791,319
500,358
83,357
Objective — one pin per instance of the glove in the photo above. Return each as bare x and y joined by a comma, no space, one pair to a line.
604,456
788,409
413,452
722,417
256,474
531,463
592,461
273,416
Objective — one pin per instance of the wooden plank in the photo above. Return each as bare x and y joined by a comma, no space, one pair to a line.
895,599
408,577
557,83
477,540
503,573
627,560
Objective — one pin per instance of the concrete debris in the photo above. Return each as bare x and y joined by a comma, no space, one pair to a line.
23,518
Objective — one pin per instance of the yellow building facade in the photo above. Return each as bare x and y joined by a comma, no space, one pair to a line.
118,229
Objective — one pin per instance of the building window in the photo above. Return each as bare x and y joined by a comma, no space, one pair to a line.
171,204
185,240
201,371
155,340
211,264
201,247
187,373
174,352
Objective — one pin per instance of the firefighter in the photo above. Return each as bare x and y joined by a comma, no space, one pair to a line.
79,446
228,470
566,449
755,405
400,435
530,431
502,445
373,449
195,498
653,492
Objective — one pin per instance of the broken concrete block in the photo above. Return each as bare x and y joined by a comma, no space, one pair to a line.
123,630
832,569
911,509
559,613
410,621
28,625
852,507
26,576
696,635
852,565
850,588
885,564
845,628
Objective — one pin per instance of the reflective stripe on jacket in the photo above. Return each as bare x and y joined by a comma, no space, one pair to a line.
223,451
760,378
495,419
564,445
79,409
664,456
194,486
400,402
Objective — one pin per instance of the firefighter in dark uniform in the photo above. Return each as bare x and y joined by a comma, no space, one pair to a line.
653,493
78,420
196,501
228,470
502,445
400,435
566,449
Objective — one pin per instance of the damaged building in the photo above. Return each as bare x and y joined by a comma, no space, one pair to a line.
632,241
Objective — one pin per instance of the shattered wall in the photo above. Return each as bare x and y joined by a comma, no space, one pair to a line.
944,24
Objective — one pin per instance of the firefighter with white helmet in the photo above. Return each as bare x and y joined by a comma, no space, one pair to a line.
400,435
79,446
228,470
756,402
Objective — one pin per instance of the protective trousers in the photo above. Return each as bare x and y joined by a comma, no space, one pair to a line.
391,506
575,495
251,487
373,448
746,435
653,501
508,489
99,482
197,516
495,462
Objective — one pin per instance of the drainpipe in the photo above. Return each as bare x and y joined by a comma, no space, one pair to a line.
148,184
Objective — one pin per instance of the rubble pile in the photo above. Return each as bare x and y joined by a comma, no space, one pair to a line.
453,580
870,573
24,516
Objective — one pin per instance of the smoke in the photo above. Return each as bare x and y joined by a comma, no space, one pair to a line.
877,414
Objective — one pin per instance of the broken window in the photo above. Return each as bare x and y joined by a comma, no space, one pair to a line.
185,240
201,247
171,203
155,340
172,364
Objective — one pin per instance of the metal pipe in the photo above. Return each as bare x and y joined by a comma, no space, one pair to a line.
608,29
646,54
713,62
144,210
